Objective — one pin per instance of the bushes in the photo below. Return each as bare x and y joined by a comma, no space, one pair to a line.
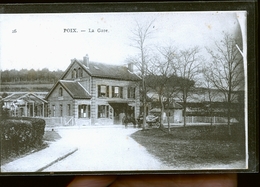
4,113
19,135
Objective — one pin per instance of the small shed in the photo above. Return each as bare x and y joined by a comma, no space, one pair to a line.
174,111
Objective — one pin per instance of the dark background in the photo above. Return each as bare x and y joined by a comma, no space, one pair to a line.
244,180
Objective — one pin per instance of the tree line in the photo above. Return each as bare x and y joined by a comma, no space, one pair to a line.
171,72
30,76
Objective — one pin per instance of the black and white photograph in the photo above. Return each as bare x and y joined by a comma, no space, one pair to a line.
124,92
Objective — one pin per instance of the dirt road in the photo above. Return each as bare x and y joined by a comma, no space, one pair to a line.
104,149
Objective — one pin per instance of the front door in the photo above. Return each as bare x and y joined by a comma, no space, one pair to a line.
119,112
117,116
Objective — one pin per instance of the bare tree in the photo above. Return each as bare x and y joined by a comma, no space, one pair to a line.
140,37
187,67
209,92
162,79
226,72
159,74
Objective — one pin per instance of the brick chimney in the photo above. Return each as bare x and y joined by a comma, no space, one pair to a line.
86,60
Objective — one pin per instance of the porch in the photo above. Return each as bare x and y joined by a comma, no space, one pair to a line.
120,110
25,105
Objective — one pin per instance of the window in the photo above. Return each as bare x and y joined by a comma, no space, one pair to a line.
103,91
61,112
117,91
103,111
131,92
84,111
68,110
22,111
53,110
74,73
60,92
80,72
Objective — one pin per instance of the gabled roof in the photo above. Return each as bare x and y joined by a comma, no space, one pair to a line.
75,89
111,71
23,96
101,70
13,96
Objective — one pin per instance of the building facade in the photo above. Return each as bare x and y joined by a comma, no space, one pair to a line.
95,93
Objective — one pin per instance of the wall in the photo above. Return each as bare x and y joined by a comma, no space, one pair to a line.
65,100
104,101
84,79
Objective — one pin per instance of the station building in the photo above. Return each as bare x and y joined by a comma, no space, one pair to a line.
95,93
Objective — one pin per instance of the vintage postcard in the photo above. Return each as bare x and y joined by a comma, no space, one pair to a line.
124,92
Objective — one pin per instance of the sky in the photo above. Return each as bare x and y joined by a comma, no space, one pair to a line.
51,40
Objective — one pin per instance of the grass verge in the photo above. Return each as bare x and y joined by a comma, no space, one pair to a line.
190,145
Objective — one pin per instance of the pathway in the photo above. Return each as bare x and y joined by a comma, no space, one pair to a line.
104,149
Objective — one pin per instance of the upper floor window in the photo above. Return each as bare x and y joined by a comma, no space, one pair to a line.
80,72
103,91
74,73
131,92
60,92
117,91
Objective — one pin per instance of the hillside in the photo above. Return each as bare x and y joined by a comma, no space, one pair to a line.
28,80
17,87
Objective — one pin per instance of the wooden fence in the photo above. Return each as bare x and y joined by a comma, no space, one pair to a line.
207,119
59,121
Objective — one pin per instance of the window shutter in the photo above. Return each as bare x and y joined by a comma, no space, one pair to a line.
134,93
113,91
88,111
121,92
107,94
99,91
107,111
99,108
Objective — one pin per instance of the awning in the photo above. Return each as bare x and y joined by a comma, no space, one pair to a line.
118,103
